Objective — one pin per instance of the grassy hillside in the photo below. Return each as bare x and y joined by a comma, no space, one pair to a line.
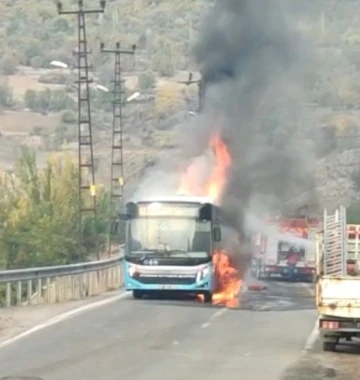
165,31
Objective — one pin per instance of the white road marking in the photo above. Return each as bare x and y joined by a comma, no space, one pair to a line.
216,315
312,337
63,317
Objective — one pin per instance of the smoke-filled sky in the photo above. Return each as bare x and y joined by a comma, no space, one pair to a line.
254,63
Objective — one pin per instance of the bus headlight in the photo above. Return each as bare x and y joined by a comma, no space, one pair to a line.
202,274
131,270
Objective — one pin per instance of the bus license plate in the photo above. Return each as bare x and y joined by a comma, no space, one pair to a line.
167,287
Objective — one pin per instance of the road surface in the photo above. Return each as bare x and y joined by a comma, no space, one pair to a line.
151,339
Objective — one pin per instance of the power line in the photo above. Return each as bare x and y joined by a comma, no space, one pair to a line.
117,182
201,93
86,179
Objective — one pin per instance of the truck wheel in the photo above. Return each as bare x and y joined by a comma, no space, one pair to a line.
310,279
329,346
137,294
207,297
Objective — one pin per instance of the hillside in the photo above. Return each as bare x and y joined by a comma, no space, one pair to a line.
37,100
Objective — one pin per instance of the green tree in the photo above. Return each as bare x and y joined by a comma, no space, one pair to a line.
146,81
39,214
8,64
6,94
69,117
60,100
30,99
37,62
48,100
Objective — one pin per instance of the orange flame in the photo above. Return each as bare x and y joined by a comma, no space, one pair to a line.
218,178
227,277
189,181
216,181
228,281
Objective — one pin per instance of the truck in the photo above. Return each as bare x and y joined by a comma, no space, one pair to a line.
338,281
169,246
286,239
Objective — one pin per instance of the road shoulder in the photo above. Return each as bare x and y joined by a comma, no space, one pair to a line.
16,320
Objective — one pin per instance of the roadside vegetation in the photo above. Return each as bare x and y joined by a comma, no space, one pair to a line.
39,215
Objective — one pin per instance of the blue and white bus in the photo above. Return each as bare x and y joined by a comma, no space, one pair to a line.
169,246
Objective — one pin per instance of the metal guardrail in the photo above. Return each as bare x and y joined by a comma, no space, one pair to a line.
59,283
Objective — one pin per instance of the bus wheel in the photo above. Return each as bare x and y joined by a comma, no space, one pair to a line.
137,294
329,346
207,297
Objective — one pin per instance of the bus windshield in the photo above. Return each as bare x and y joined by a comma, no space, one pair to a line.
175,237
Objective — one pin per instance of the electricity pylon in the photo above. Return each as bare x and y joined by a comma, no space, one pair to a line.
85,139
117,181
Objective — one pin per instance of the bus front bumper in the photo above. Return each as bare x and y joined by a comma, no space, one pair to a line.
201,286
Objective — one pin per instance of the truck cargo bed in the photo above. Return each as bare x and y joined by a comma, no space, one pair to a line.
338,296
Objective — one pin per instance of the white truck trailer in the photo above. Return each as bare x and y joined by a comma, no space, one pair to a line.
337,288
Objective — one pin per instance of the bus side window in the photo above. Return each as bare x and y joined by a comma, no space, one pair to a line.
217,234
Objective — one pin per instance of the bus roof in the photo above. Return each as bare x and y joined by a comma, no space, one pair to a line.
176,199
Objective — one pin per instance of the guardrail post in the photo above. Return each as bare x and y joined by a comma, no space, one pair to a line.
18,292
73,296
8,294
90,283
104,280
121,275
111,278
57,289
29,291
48,285
87,282
39,291
63,286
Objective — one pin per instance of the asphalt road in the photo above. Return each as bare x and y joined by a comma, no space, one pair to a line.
152,339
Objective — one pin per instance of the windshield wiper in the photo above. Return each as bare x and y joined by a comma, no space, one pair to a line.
156,252
175,251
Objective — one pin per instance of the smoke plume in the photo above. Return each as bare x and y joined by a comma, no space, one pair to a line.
253,63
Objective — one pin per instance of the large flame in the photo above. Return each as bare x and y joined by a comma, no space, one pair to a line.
218,178
227,277
228,280
215,183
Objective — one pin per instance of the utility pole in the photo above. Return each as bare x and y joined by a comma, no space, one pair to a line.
85,140
117,182
201,89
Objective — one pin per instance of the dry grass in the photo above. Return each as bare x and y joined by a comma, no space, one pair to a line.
19,122
21,83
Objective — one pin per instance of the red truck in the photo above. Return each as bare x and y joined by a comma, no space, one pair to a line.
286,248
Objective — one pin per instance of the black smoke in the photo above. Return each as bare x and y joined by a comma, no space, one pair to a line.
253,64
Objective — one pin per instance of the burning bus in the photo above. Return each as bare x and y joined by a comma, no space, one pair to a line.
174,244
